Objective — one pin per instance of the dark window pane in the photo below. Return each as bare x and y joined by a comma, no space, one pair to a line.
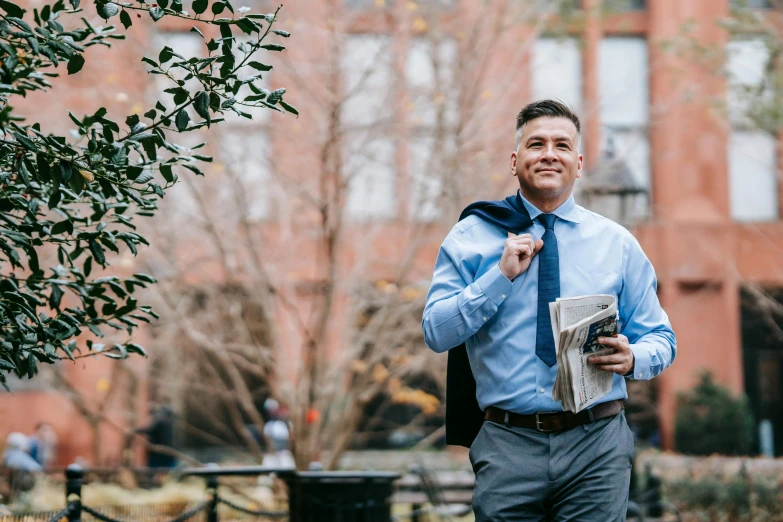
755,4
625,5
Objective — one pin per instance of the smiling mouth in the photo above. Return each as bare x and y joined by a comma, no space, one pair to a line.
553,171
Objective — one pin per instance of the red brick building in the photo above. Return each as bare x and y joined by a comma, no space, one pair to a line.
433,86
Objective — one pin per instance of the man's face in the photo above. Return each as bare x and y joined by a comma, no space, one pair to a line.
547,161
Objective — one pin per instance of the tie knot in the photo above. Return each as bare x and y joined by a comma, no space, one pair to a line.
548,220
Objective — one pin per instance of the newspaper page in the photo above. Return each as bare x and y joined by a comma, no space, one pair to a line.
581,321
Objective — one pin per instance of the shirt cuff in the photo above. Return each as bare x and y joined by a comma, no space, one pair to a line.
495,285
641,363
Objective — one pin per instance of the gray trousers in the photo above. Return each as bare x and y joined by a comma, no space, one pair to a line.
582,474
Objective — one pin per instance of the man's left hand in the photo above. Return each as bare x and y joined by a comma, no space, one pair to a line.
621,361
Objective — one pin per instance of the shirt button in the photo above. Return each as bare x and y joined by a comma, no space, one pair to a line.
485,318
541,390
502,296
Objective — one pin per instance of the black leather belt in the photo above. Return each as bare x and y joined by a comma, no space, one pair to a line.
554,421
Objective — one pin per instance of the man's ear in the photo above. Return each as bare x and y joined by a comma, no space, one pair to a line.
514,164
579,167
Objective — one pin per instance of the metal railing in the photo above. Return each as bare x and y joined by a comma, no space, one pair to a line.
207,510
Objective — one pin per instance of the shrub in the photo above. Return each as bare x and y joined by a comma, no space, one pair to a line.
710,420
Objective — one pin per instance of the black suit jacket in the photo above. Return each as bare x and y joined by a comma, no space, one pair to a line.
463,415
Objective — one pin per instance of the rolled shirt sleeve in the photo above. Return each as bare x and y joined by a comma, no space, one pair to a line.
455,310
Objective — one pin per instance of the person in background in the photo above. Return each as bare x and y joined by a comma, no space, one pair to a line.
23,468
277,433
43,444
160,432
16,454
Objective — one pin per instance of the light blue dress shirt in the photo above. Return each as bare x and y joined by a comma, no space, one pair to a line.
471,301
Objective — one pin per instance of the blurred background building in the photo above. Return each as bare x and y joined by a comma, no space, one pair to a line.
297,266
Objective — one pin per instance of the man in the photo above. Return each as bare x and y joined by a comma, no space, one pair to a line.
160,432
43,444
496,272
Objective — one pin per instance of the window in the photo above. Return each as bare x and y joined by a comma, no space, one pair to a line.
752,151
244,150
624,102
753,4
245,156
433,116
367,4
753,188
180,202
240,145
367,113
557,71
556,6
625,5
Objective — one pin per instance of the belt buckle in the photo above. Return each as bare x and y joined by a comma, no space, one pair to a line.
540,425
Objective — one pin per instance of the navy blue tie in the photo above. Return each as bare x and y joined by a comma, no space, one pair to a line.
548,290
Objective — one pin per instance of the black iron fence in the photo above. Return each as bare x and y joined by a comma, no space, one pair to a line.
312,496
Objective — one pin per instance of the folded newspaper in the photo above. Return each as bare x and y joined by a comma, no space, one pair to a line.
577,323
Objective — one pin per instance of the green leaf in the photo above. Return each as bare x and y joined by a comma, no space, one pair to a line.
260,66
202,104
151,114
106,10
163,4
64,172
135,348
54,198
247,25
199,6
126,19
67,351
150,61
75,3
273,47
98,252
196,30
144,177
141,276
284,34
132,120
165,171
65,226
225,32
182,120
166,54
94,329
21,23
218,7
11,8
31,368
157,13
212,45
133,172
275,96
75,64
289,108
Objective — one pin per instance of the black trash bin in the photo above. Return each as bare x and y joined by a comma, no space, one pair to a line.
338,496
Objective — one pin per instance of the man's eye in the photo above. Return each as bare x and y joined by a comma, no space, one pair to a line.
535,144
564,146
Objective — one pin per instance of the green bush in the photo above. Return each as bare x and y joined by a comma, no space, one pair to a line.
710,420
731,498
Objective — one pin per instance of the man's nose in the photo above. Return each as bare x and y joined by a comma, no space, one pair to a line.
549,153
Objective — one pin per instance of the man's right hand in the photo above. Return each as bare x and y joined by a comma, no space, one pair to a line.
518,252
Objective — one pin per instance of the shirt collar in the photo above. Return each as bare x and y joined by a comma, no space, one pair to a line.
568,211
